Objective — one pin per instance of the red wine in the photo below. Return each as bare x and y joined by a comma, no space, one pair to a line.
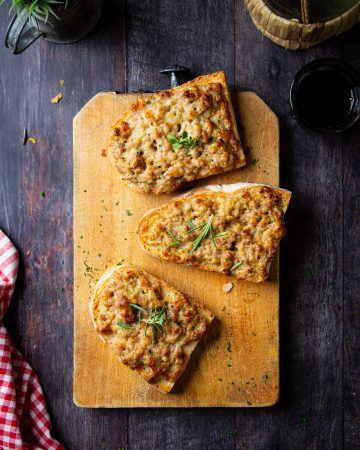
323,97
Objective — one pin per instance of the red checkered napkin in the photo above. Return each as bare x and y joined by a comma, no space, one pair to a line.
24,420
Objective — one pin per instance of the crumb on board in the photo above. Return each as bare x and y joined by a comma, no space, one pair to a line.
227,287
57,98
61,82
27,253
103,152
32,140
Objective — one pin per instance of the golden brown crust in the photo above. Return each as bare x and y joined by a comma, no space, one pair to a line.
159,354
200,112
247,224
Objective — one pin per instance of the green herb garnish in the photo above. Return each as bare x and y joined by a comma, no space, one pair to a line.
213,236
236,265
140,309
254,161
124,325
185,142
128,212
148,102
228,347
136,306
193,227
206,228
174,238
156,319
42,194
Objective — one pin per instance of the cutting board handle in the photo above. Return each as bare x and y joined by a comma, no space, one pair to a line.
178,74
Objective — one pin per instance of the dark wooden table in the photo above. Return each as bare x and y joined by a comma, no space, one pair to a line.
320,311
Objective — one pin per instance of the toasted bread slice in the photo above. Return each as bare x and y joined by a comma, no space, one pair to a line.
232,229
176,136
149,325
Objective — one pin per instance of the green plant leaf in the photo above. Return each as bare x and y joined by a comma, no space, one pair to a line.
40,9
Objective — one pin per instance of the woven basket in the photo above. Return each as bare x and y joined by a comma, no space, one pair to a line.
300,24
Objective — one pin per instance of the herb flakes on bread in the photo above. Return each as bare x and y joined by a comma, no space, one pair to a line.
149,325
231,229
173,137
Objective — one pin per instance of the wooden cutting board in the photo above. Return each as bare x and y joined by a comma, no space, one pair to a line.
237,364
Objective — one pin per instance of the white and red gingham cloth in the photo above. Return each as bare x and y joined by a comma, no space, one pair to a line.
24,420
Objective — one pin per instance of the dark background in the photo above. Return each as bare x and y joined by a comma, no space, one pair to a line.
320,312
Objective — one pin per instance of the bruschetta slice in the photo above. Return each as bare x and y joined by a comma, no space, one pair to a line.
231,229
150,326
173,137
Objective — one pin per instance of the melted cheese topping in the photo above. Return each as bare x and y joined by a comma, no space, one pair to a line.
249,222
140,146
158,354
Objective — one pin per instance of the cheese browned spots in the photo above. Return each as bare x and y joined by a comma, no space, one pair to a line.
199,114
125,300
246,226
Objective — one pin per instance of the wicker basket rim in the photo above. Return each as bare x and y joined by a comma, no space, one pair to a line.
323,30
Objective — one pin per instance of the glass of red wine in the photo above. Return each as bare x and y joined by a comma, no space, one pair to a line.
325,95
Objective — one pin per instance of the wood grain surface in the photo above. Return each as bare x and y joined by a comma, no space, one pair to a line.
319,302
237,364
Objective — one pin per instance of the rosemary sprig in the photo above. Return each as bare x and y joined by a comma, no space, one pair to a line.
221,234
236,265
124,325
213,236
156,319
185,142
136,306
174,238
195,228
140,310
206,228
